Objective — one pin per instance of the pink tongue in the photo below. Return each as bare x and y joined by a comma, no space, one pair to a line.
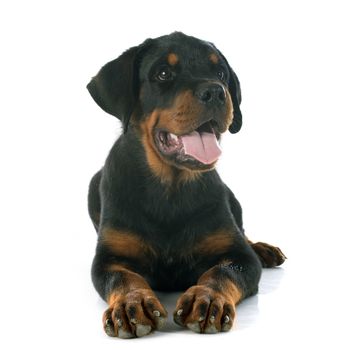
202,146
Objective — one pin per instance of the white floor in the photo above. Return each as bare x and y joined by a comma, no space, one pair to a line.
298,305
294,309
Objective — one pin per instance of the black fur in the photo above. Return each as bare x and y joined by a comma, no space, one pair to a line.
125,194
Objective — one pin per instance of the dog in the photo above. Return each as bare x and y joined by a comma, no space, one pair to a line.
164,218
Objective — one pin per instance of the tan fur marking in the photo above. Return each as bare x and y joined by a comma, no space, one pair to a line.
215,243
214,58
182,116
189,175
155,161
179,119
125,243
131,281
173,59
227,288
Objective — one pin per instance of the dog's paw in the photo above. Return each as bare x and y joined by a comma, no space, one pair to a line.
203,310
134,314
269,255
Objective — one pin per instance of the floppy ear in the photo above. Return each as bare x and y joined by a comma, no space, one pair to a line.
235,92
115,87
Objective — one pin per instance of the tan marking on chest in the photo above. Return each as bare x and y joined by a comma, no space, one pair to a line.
215,243
125,243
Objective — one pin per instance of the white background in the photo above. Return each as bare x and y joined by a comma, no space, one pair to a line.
289,165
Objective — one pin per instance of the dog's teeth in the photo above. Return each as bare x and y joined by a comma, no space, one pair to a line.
173,137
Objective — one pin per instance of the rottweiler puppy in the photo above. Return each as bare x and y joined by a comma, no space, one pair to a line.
165,220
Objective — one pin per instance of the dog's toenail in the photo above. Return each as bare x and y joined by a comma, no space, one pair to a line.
156,313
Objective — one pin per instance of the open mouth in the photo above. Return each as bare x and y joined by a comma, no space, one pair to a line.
199,146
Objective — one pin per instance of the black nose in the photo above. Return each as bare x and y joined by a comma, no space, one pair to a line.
211,93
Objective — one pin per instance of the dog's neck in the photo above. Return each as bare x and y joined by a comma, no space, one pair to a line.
131,184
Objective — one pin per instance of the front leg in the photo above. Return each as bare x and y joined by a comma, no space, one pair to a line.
134,310
209,306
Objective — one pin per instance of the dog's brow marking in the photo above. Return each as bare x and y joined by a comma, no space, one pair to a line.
173,59
214,58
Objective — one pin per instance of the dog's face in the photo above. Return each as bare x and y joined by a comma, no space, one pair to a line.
178,93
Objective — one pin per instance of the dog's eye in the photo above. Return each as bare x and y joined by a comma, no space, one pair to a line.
164,74
221,75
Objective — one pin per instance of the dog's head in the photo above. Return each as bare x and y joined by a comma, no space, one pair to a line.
179,94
